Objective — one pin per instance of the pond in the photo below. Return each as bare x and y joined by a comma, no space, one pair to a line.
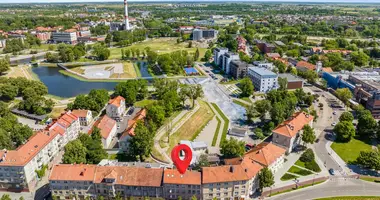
65,86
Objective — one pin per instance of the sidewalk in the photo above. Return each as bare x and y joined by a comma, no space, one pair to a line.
291,159
338,160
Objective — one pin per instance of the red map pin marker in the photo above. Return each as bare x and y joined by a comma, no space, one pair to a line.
182,164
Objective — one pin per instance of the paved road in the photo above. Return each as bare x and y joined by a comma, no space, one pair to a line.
333,187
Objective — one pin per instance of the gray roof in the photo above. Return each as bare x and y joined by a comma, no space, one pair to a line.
290,77
263,72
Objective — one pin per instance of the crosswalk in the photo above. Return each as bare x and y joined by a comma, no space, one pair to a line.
233,89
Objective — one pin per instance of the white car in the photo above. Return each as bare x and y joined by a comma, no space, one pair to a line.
333,124
118,126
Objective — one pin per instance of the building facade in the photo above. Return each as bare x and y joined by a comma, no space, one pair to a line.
116,107
288,133
218,53
263,79
64,37
108,130
227,58
239,69
85,116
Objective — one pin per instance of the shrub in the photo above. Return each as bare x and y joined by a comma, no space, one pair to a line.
287,176
312,166
307,156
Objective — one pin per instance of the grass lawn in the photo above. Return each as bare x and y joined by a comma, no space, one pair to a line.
79,70
216,134
56,112
299,171
129,71
192,126
350,151
371,179
309,165
287,177
226,122
159,45
246,106
247,99
350,198
14,72
137,70
157,154
143,103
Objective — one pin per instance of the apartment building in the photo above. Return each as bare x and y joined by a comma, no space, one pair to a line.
218,53
204,34
64,37
239,69
263,79
130,130
85,116
116,107
268,155
18,167
265,47
108,130
294,82
288,133
106,181
177,185
230,181
227,58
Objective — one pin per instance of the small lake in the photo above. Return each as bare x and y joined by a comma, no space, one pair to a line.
65,86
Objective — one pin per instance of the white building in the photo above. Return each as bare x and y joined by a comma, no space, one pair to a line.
85,116
197,34
108,130
263,79
227,58
218,52
18,167
64,37
116,107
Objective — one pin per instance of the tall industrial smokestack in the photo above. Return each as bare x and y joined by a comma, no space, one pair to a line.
126,20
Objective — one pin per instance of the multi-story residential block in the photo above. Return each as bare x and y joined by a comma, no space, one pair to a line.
85,116
200,34
106,181
218,55
263,79
18,167
177,185
227,59
268,155
265,47
108,130
288,133
239,69
230,182
64,37
116,107
197,34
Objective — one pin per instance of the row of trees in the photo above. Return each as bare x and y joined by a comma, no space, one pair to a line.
32,93
12,133
85,149
95,100
171,63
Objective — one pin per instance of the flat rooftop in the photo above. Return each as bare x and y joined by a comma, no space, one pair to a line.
290,77
262,71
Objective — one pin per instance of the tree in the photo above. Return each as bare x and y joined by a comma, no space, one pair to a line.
283,82
101,51
346,116
259,133
184,92
190,44
359,58
95,134
4,66
5,197
195,91
202,162
196,55
208,55
108,39
344,94
369,159
366,124
307,156
75,152
345,131
141,144
308,135
246,87
266,178
193,197
262,107
232,148
156,113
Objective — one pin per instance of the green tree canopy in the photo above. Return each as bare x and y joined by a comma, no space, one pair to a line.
232,148
344,130
246,87
266,178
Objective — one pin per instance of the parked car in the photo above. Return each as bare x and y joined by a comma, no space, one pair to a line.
331,171
333,124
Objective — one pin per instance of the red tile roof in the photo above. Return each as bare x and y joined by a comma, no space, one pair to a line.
292,126
307,65
133,176
116,101
327,69
265,153
74,172
172,176
130,130
106,124
67,119
273,55
80,113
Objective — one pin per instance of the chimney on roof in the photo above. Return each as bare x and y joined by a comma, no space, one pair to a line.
307,115
246,170
82,172
231,169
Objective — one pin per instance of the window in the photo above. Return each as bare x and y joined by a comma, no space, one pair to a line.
210,195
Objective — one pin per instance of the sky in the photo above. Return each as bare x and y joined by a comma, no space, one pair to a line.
77,1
